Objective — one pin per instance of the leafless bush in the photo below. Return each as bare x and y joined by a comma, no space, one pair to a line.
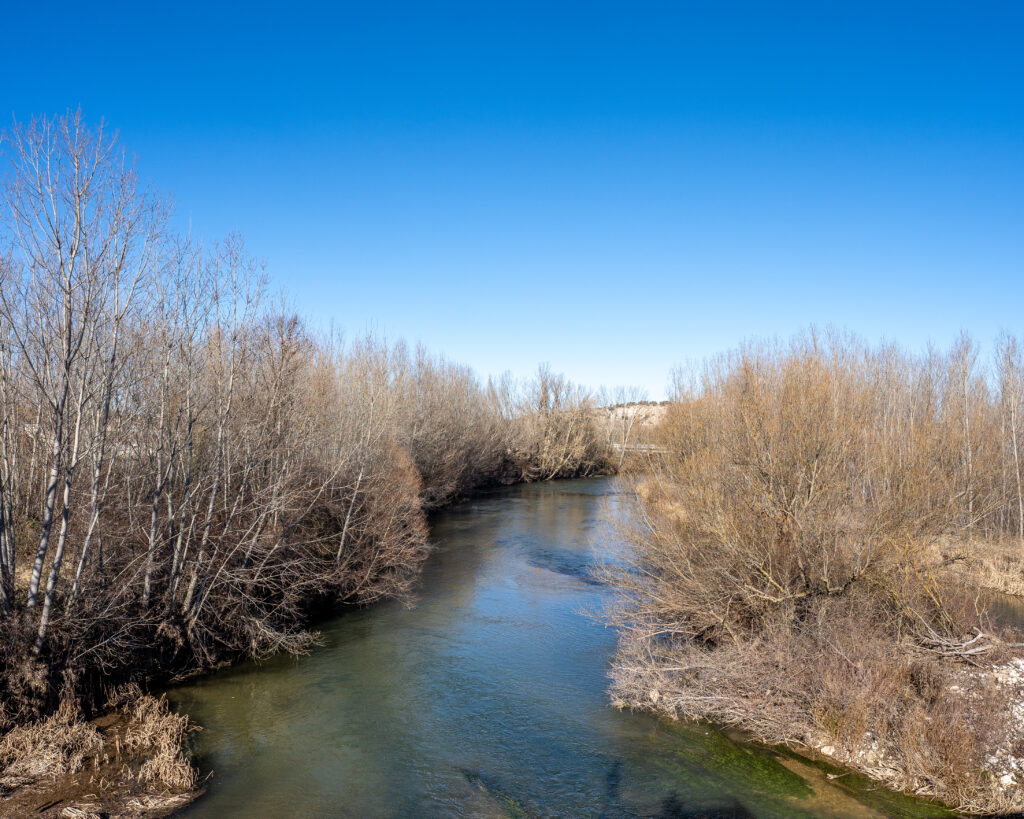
781,575
551,427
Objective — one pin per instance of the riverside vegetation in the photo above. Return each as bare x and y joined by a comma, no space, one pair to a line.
808,555
188,476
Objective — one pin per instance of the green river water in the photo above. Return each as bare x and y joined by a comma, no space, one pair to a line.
487,698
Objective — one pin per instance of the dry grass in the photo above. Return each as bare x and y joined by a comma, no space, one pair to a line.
160,736
132,761
996,564
56,746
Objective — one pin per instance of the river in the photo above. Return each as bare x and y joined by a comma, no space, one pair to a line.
487,698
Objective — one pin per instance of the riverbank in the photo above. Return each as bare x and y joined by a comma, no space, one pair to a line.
971,710
942,764
490,695
808,560
134,758
993,565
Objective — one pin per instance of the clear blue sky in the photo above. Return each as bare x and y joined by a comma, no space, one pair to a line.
611,187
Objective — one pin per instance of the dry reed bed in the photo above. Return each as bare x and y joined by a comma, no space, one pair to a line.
132,762
993,565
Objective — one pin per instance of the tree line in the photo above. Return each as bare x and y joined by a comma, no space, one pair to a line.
188,473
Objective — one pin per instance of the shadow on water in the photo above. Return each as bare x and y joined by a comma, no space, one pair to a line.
488,698
672,806
565,563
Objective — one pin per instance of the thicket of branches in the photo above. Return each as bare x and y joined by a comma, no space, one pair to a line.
185,473
786,570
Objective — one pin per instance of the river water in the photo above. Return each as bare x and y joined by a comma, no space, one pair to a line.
487,698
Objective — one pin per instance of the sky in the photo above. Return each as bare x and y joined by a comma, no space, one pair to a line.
612,188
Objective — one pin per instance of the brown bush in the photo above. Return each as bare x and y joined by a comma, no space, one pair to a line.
781,574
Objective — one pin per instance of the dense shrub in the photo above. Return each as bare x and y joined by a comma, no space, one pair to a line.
782,574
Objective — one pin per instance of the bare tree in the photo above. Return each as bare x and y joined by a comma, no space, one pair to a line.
211,470
86,236
626,409
1011,376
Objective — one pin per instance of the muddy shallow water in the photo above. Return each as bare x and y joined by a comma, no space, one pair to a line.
488,698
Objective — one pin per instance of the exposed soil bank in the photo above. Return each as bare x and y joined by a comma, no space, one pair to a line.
878,758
